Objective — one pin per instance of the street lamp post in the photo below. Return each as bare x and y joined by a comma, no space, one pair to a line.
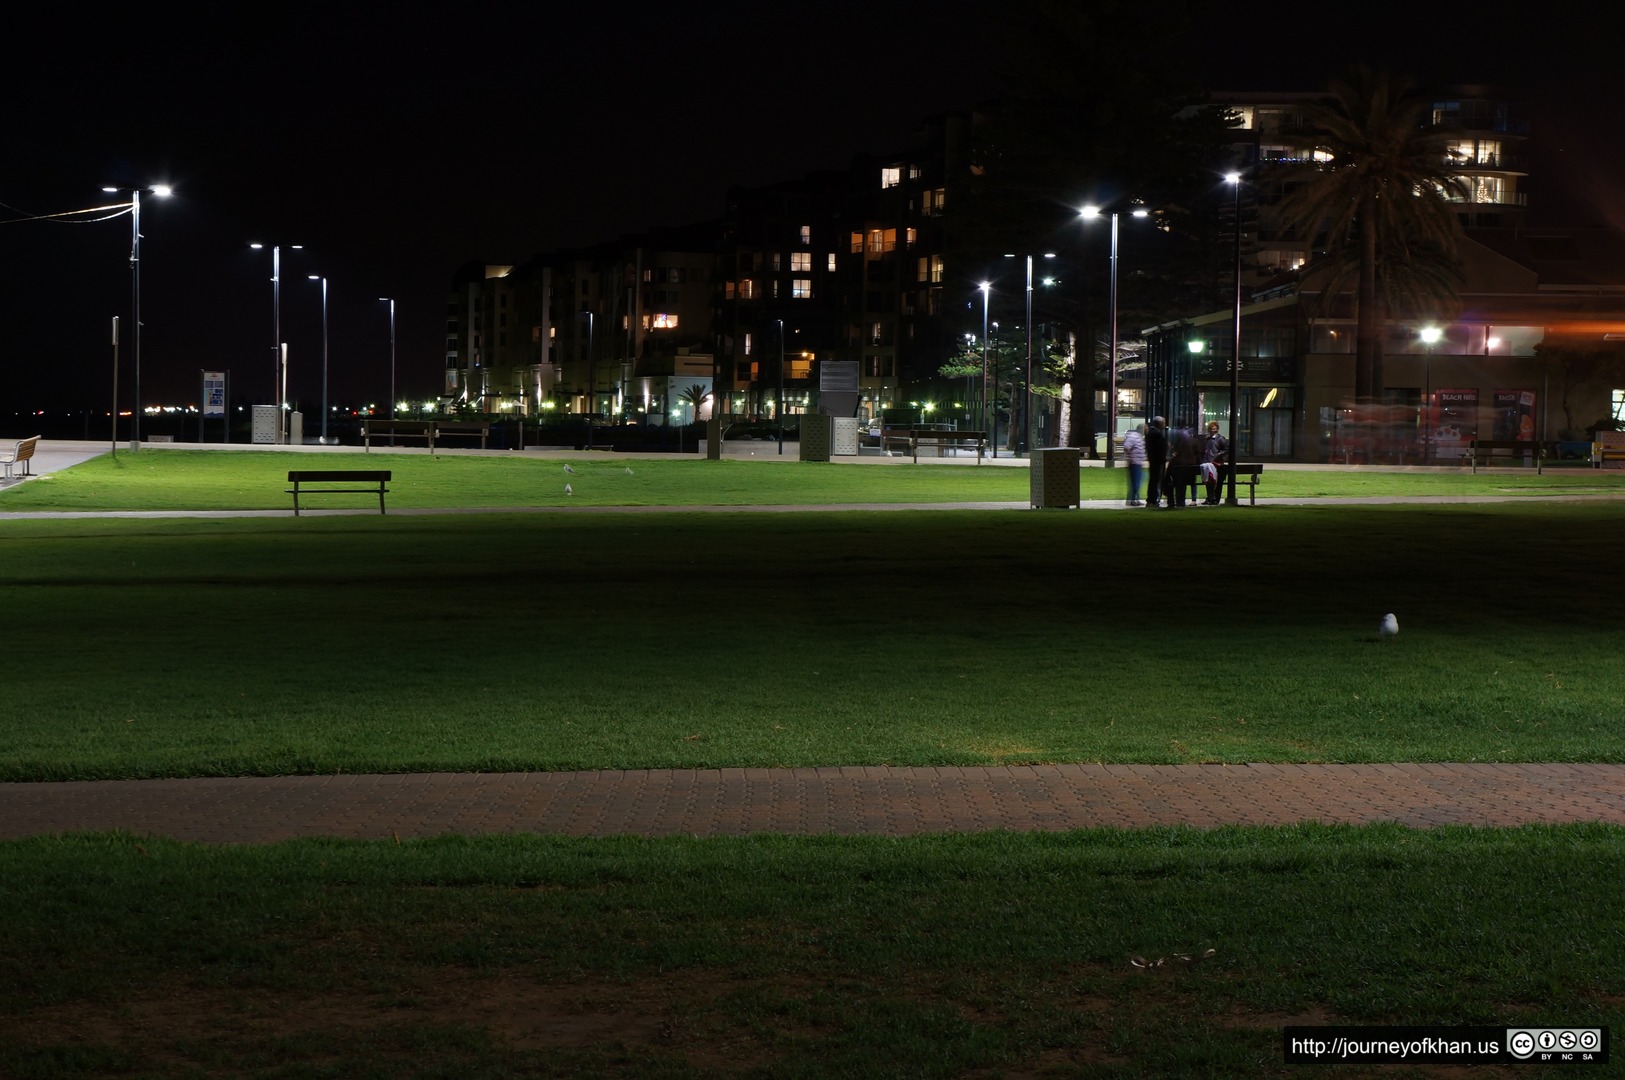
323,279
778,409
1430,337
162,191
1111,399
279,356
992,435
1029,429
592,378
1235,353
391,302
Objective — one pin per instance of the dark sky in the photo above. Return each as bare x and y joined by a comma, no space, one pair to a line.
396,142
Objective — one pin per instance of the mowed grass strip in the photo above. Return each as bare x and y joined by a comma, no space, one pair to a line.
514,642
156,480
1164,952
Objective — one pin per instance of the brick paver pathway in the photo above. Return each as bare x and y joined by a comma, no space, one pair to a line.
869,800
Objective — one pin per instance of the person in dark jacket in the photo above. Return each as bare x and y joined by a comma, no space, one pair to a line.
1182,466
1215,455
1156,459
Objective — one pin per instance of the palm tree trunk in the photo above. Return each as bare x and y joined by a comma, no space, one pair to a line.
1368,325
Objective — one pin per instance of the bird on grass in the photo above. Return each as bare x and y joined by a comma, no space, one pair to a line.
1388,627
629,470
569,468
568,490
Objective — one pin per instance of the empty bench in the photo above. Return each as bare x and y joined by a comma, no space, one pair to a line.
349,481
1481,451
20,454
398,429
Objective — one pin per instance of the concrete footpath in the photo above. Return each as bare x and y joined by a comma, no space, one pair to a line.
876,801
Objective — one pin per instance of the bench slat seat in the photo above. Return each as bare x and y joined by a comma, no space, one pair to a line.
376,481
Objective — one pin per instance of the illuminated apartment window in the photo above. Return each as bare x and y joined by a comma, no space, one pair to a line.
801,262
727,290
911,236
776,262
646,322
857,244
929,268
801,288
831,266
806,234
747,344
775,288
665,322
747,289
891,177
933,201
913,172
882,240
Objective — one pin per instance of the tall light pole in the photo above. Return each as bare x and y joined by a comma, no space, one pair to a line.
1029,429
778,410
993,436
391,302
323,279
592,378
163,191
1235,353
1430,336
1111,396
279,356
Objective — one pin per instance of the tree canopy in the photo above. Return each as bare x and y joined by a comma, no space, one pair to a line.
1372,188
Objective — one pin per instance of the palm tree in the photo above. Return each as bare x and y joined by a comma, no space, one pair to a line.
694,397
1375,191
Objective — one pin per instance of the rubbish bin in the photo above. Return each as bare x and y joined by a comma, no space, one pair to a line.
817,432
1054,475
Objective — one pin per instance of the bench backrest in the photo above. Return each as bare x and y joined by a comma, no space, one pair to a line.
398,425
306,476
25,448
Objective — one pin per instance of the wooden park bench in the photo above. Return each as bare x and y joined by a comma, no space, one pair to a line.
375,482
1480,451
442,428
402,429
20,454
942,438
1247,472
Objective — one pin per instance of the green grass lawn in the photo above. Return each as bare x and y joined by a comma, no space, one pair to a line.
248,480
177,647
521,641
1164,952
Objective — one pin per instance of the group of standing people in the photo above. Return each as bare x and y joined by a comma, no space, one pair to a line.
1174,461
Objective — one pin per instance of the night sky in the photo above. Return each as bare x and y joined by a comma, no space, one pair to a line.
396,142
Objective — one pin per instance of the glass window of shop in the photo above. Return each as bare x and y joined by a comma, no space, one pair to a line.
1265,427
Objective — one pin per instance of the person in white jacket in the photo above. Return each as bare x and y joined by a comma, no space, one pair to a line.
1134,454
